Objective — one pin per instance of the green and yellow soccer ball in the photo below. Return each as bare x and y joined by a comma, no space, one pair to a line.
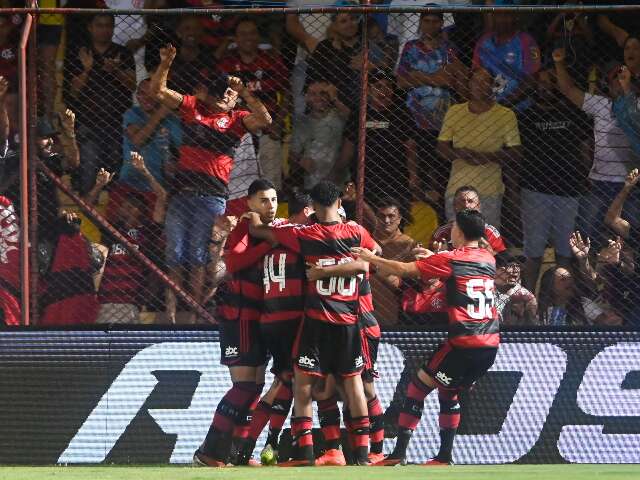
268,456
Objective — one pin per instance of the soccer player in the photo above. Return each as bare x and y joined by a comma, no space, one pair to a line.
473,339
241,348
283,277
329,338
370,334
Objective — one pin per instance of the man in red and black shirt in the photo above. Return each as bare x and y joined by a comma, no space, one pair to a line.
467,197
242,349
329,339
468,273
283,280
212,128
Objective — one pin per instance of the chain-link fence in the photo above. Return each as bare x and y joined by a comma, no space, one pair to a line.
530,116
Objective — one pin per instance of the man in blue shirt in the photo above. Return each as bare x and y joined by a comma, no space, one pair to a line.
153,131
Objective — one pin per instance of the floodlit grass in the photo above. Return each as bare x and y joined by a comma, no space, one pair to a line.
461,472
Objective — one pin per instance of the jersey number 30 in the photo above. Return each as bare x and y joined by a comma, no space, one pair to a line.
329,286
481,292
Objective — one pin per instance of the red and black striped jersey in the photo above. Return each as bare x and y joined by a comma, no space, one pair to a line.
469,275
491,235
208,140
368,321
283,278
336,299
243,297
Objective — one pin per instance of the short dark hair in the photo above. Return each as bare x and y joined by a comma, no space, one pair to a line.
466,188
325,193
472,224
260,185
298,202
217,86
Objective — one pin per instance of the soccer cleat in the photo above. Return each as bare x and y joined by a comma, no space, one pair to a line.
376,457
391,462
331,458
268,456
202,460
253,463
434,462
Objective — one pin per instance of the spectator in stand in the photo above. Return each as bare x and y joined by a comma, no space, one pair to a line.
467,198
553,176
430,73
387,291
194,64
212,127
613,29
131,27
338,60
558,302
511,57
480,138
266,76
9,64
631,236
153,130
572,31
390,154
100,78
123,289
307,30
612,155
608,292
49,29
10,310
627,109
383,47
67,291
316,139
408,26
58,151
515,304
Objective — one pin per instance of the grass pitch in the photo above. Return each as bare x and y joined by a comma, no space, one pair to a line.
461,472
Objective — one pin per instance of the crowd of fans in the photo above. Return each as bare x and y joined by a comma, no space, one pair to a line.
533,119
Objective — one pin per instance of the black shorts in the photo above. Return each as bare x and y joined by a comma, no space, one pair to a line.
278,339
459,368
327,348
241,345
370,352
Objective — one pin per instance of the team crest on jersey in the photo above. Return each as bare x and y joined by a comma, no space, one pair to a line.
223,122
510,57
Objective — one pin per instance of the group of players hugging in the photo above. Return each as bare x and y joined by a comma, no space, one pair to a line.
298,290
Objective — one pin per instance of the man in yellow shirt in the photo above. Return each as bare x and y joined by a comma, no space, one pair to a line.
479,137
